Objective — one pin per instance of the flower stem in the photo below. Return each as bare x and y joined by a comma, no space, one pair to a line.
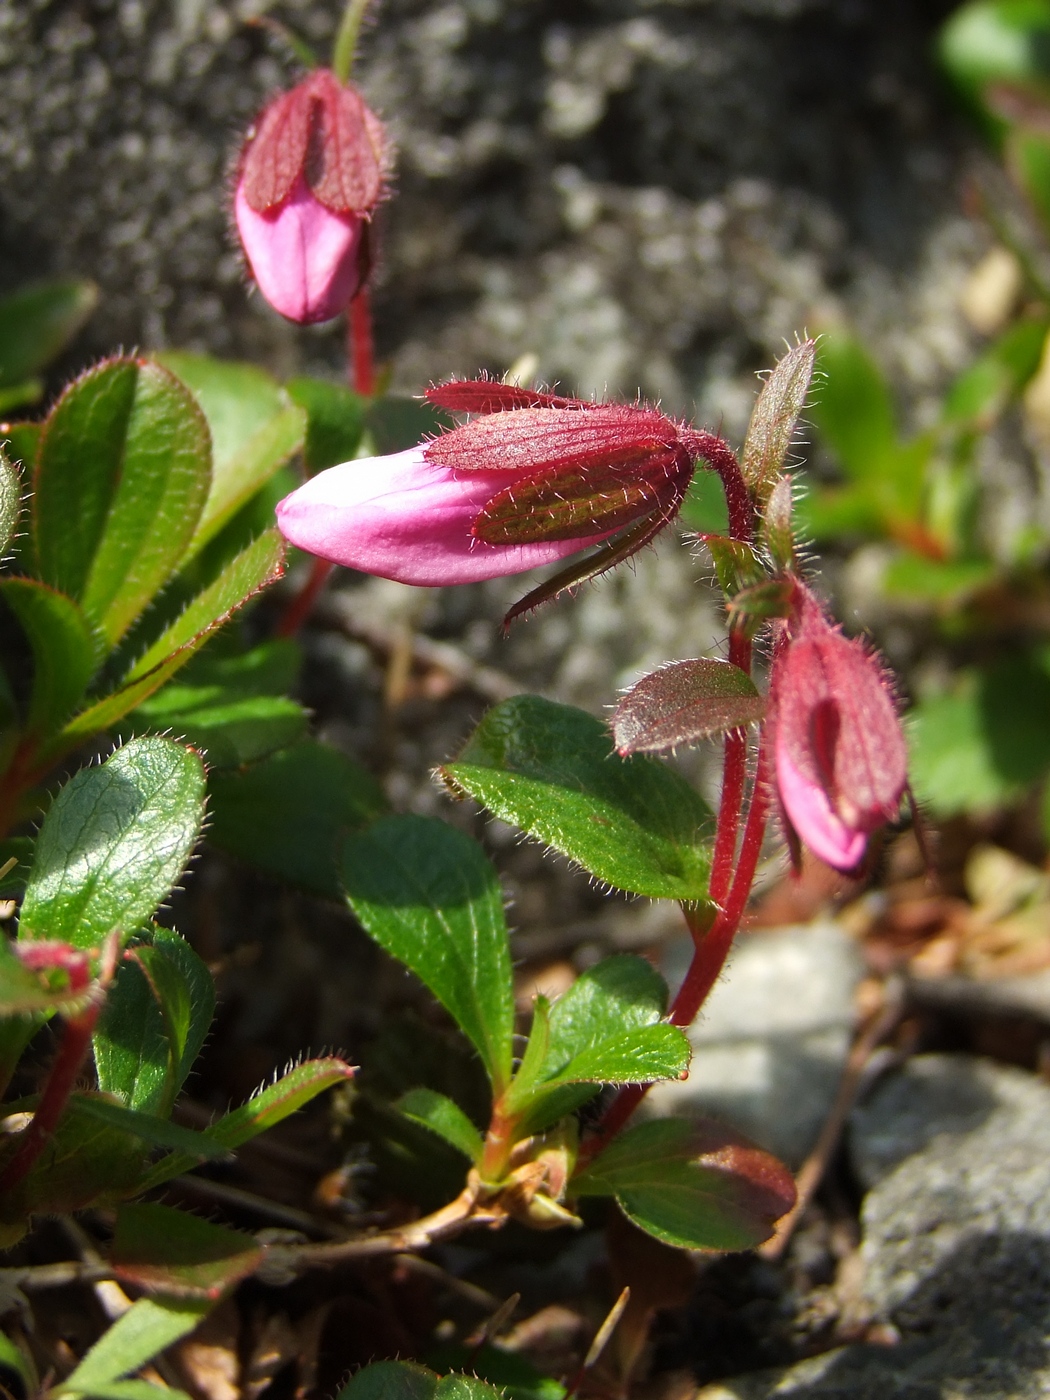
75,1042
361,344
345,45
300,607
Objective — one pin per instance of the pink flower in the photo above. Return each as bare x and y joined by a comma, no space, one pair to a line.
310,176
534,477
839,751
304,258
404,518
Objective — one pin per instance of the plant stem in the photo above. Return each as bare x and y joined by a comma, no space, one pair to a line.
75,1042
499,1142
297,611
361,344
345,45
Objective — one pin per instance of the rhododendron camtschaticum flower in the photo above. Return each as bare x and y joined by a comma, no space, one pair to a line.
310,175
838,748
530,478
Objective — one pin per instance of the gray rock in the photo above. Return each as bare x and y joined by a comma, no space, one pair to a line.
769,1048
956,1242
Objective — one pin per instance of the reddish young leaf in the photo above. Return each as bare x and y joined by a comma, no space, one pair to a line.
274,157
684,702
582,503
169,1251
490,396
528,440
347,146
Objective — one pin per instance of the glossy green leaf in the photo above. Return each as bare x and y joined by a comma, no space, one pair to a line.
947,582
64,649
430,897
853,410
114,843
442,1116
169,1251
269,1107
148,1327
550,770
256,566
10,500
122,472
148,1128
131,1390
228,734
465,1388
335,421
38,322
606,1028
693,1185
255,430
288,814
154,1024
390,1380
774,418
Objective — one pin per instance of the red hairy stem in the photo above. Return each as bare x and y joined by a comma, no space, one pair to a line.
298,610
76,1040
361,344
499,1143
734,773
723,460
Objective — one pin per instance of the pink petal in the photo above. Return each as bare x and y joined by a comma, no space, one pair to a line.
405,518
819,827
303,256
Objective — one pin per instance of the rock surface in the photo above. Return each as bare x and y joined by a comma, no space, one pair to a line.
956,1242
769,1048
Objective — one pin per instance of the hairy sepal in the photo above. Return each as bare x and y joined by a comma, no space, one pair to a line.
491,396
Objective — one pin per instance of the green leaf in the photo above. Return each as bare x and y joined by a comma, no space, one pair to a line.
854,410
37,323
465,1388
979,746
288,814
114,843
510,1372
155,1021
157,1132
13,1358
773,421
684,702
704,507
132,1390
255,430
994,41
442,1116
10,500
121,476
979,396
64,650
148,1327
606,1028
261,563
948,582
396,424
335,421
693,1185
228,734
269,1107
736,564
430,897
390,1380
169,1251
550,770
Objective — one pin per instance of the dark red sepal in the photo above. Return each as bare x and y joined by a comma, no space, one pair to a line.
490,396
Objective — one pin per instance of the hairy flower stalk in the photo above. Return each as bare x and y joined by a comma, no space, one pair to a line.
311,173
529,479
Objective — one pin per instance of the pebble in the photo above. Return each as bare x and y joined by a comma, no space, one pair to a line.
771,1043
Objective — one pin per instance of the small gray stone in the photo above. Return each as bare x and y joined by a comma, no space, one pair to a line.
769,1048
956,1242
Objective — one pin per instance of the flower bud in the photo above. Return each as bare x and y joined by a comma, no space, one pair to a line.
839,752
310,176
